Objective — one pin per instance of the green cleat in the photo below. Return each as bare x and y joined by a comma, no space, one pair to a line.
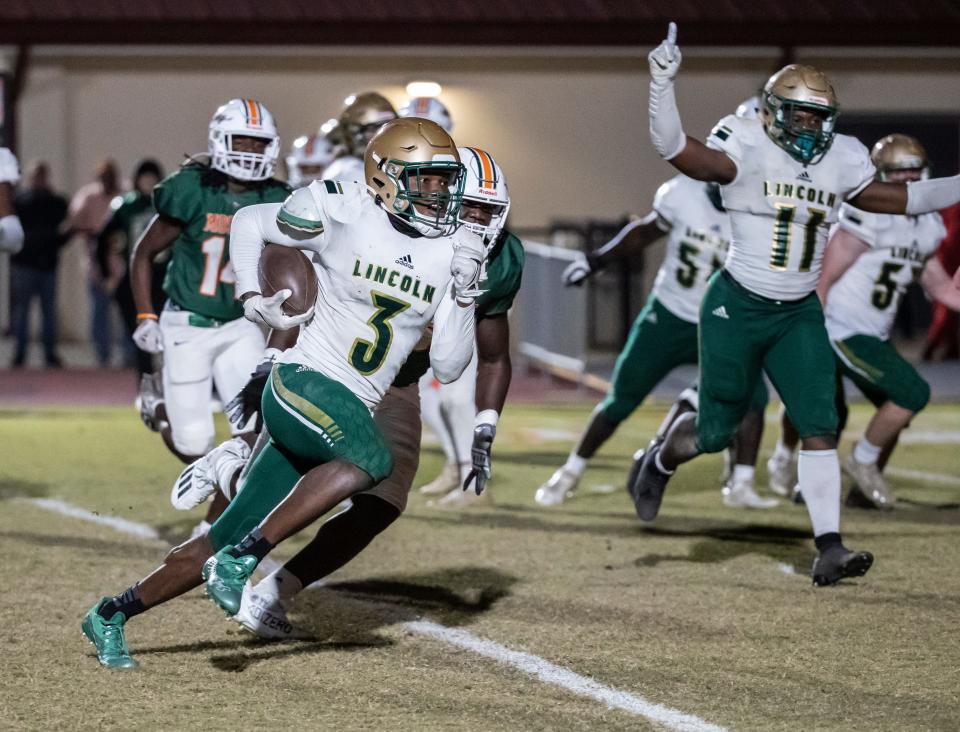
225,576
107,637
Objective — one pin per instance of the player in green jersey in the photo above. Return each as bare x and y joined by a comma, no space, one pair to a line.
201,331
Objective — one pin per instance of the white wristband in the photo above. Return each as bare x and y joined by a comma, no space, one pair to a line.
666,130
924,196
487,416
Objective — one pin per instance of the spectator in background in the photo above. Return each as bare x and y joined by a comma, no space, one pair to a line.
34,268
131,214
11,232
88,213
944,333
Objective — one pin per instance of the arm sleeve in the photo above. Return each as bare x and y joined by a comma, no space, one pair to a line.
453,337
11,234
252,228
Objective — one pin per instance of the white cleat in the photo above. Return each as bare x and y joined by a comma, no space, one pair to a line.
782,472
200,478
458,498
448,479
266,617
742,495
559,488
149,398
870,482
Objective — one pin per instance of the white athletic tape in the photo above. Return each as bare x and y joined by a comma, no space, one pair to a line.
550,673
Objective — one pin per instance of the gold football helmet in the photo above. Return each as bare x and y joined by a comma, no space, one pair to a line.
899,152
413,167
799,112
362,117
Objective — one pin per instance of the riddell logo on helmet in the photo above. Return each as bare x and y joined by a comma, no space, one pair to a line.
489,191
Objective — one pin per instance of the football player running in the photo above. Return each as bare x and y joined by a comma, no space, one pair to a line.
324,443
664,335
201,331
870,260
263,608
783,178
309,157
362,115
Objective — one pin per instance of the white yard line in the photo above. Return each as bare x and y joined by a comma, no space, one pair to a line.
930,437
539,668
550,673
117,524
924,476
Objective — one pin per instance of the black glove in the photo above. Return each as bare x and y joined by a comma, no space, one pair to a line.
480,456
246,404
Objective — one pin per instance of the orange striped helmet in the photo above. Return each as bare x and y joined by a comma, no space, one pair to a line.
428,108
243,118
486,189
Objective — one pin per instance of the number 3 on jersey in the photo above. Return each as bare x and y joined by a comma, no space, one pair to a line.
365,356
213,273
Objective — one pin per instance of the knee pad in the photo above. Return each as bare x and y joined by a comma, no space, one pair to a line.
193,439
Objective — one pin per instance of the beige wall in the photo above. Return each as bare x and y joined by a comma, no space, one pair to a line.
569,129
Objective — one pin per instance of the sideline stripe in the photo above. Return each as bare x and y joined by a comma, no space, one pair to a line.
540,668
118,524
921,475
564,678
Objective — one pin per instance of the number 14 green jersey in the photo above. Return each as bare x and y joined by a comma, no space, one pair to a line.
780,209
199,276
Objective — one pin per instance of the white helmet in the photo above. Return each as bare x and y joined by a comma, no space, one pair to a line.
247,118
428,108
308,157
485,184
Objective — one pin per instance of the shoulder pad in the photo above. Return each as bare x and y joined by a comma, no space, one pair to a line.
340,200
301,212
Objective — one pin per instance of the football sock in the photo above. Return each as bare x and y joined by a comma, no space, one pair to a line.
819,476
825,541
252,544
575,464
281,584
743,474
127,602
865,452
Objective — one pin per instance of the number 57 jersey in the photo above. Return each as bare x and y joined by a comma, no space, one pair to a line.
780,209
379,287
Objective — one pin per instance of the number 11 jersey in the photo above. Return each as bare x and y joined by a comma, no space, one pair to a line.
780,209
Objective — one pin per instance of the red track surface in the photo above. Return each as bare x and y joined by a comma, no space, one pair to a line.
111,387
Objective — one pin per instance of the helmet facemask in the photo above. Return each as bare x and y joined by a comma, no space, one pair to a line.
802,142
443,206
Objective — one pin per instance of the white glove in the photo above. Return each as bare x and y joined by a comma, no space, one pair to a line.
269,311
466,266
579,270
147,336
665,59
9,167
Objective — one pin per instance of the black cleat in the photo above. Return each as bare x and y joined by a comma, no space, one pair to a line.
648,487
637,462
838,562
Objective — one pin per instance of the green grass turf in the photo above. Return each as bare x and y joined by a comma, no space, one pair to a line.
696,612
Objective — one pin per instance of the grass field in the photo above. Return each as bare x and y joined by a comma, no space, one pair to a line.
709,612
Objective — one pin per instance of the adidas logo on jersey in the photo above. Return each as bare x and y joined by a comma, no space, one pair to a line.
405,261
804,175
721,312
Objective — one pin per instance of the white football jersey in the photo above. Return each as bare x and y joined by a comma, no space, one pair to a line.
347,168
865,299
699,235
378,288
780,209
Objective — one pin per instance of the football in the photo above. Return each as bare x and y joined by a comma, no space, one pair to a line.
287,268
